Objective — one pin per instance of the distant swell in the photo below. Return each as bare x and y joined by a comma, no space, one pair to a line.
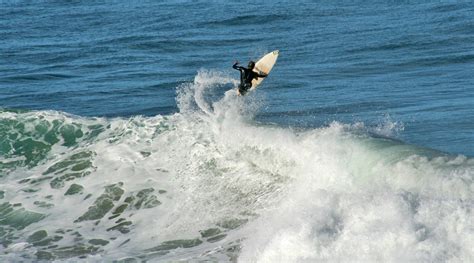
36,77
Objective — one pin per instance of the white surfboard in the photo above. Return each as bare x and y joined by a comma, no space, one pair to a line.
264,65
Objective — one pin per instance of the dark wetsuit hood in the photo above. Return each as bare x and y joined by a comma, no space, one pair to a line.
251,65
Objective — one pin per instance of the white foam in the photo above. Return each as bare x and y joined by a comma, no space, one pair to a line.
328,194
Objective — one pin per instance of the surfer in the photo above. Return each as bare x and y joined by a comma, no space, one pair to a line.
246,76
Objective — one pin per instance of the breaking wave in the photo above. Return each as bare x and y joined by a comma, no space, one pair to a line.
209,183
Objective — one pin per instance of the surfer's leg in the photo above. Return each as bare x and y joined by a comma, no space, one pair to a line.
243,88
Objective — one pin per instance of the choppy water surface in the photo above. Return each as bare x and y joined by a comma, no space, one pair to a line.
121,137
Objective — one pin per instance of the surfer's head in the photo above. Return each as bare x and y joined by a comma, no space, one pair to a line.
251,64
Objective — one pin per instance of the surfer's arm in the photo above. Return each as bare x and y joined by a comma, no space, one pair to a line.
258,75
237,67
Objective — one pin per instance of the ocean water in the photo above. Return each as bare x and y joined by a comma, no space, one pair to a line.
122,138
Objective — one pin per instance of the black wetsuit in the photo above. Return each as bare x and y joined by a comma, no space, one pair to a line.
246,77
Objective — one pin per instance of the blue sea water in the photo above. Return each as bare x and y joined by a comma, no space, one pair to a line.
121,137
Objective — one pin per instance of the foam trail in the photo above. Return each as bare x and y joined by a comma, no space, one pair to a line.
349,203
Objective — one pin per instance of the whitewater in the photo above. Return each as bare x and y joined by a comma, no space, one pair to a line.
210,183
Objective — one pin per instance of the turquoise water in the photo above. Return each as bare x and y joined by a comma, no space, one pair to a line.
121,137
